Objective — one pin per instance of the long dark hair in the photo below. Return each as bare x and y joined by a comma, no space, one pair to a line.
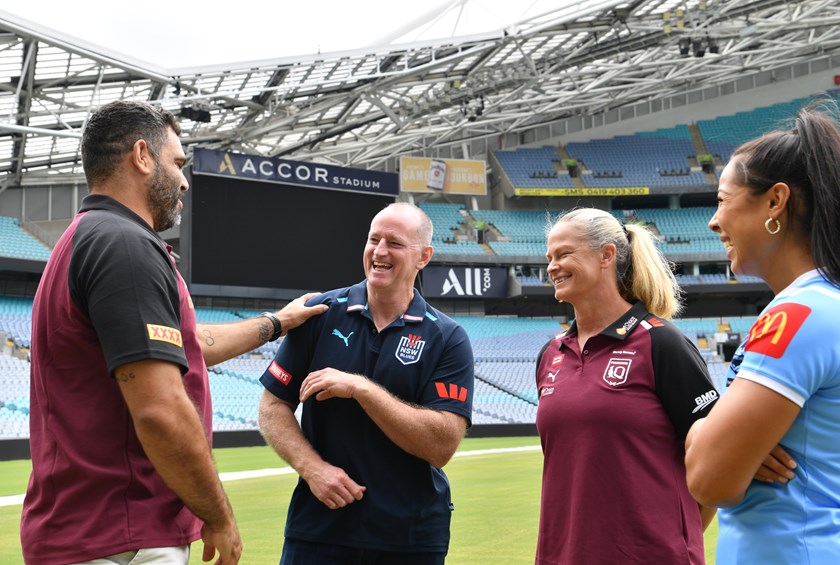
807,159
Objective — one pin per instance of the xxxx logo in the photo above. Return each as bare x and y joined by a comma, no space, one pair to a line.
165,333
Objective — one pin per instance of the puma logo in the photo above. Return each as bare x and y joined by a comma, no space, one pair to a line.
346,340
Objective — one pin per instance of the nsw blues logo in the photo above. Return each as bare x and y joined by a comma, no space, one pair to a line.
410,349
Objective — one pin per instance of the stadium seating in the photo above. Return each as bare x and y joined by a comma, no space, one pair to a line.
14,397
523,226
17,243
659,158
683,231
236,392
448,219
531,280
445,217
534,168
505,350
666,157
16,320
723,134
459,248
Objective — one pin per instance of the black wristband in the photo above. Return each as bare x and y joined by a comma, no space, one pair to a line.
278,329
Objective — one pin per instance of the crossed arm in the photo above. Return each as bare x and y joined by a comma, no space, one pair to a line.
738,441
431,435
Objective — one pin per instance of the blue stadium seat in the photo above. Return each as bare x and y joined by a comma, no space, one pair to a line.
17,243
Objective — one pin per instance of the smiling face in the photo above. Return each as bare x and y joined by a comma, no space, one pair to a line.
394,253
166,184
739,220
576,270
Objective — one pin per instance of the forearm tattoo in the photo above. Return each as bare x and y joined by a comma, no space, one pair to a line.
266,329
208,337
125,377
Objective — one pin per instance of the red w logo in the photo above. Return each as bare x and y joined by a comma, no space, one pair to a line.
454,392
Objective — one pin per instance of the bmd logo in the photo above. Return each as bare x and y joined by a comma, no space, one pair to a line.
473,282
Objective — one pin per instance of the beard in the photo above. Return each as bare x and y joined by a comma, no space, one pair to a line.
163,198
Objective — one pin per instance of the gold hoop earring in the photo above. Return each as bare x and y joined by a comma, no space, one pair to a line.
767,226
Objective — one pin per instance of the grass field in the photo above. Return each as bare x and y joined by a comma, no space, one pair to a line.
496,499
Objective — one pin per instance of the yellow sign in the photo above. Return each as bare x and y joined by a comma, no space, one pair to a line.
165,333
451,176
629,191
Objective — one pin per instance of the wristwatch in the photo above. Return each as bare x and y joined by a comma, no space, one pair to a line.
275,321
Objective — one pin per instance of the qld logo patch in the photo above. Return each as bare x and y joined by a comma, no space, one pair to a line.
164,333
409,349
279,373
616,372
774,330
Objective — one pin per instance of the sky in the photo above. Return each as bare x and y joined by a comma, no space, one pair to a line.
172,34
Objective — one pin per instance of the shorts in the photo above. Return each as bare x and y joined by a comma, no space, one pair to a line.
158,555
299,552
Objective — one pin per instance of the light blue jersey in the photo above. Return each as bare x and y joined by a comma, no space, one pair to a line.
794,349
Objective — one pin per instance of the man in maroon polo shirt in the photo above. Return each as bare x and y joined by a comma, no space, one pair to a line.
121,415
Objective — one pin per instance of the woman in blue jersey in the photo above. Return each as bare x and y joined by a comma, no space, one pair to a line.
778,218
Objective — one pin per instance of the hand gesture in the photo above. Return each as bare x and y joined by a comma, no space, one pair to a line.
332,486
777,467
295,312
225,540
332,383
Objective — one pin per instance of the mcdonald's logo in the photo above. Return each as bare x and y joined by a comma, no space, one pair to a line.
454,391
774,330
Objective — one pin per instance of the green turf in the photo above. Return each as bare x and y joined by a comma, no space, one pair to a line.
496,501
13,477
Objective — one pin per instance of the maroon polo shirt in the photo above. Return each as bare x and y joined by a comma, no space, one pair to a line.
110,295
612,420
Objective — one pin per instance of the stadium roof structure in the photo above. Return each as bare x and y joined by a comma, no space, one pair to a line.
361,108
